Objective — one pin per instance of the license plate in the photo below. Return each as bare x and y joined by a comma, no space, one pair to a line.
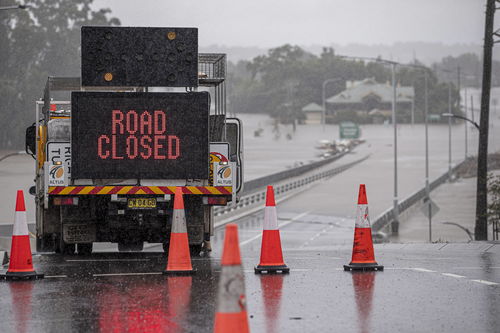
138,203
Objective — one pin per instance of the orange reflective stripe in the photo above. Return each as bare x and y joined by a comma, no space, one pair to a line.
142,190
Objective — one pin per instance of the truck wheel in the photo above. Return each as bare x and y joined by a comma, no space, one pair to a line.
45,244
130,246
85,248
166,247
65,248
195,249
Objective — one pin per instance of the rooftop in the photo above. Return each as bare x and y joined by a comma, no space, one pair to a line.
358,91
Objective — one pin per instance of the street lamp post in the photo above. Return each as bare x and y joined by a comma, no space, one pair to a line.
413,110
395,223
449,130
427,186
323,120
465,123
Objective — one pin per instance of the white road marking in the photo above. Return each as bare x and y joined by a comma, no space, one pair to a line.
423,270
316,236
127,274
291,270
476,268
280,226
251,239
103,260
453,275
55,276
312,258
489,283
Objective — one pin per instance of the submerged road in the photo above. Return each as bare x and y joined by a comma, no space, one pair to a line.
424,288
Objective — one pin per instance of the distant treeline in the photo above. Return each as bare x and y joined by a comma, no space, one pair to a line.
287,78
45,40
36,43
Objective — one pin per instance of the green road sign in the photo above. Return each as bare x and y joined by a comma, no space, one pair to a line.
349,130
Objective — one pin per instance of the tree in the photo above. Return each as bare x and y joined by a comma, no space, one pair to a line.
494,205
35,43
287,78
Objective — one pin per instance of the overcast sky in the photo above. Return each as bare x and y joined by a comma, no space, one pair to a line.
268,23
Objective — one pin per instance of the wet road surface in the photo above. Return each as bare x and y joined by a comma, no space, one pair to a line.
425,287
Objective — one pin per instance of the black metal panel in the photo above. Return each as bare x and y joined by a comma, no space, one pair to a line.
126,56
216,126
119,135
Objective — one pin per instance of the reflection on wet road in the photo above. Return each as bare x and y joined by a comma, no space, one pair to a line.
363,283
126,292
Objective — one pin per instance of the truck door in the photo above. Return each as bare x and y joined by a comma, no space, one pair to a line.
235,138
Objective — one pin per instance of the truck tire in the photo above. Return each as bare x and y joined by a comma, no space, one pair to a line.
65,248
45,244
195,249
166,247
84,248
130,246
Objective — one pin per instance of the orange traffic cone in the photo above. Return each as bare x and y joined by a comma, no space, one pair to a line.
179,259
231,313
363,257
271,257
21,261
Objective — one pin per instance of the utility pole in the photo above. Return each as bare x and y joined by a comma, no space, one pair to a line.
481,227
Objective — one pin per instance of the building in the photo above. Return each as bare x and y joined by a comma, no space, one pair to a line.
367,101
313,113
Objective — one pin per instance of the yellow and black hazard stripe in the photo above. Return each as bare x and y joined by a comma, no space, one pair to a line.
107,190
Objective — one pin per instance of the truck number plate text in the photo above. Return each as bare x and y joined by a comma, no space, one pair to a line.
138,203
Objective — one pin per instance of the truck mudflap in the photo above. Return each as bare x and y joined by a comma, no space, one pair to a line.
107,190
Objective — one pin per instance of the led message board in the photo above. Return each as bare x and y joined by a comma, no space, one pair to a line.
136,56
118,135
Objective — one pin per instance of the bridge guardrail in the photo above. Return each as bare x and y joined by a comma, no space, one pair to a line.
258,194
387,216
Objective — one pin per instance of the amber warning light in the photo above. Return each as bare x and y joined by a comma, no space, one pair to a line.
139,135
